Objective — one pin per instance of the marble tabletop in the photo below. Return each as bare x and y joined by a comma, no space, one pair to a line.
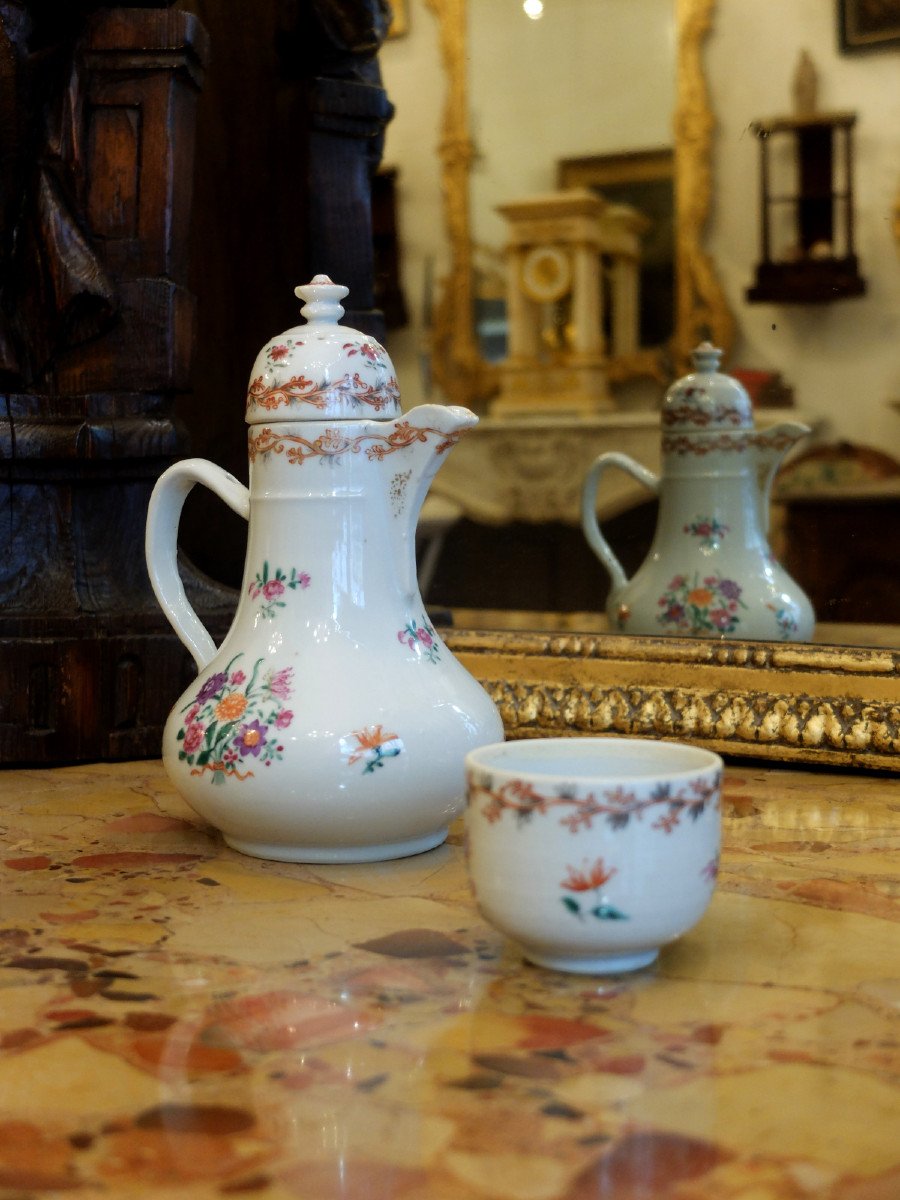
177,1020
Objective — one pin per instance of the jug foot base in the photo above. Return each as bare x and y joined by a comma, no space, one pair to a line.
605,964
338,854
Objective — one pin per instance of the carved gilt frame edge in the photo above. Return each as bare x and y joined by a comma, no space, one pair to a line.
701,309
790,703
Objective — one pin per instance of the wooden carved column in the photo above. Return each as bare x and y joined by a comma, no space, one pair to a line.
96,330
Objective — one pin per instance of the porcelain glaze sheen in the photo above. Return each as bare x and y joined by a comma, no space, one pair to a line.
592,853
710,571
332,723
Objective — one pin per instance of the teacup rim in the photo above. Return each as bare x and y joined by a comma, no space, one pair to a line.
479,759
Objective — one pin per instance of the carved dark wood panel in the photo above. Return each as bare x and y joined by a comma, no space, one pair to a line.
132,305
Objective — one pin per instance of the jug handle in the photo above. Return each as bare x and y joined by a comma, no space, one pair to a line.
161,544
589,522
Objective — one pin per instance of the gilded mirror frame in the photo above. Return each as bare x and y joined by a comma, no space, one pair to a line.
701,310
829,705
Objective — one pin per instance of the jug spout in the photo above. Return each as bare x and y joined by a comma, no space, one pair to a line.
772,446
429,431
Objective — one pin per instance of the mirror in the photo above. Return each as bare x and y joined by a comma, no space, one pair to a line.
820,703
653,78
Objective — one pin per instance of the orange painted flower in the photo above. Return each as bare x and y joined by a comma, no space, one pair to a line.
368,740
231,707
371,739
700,596
588,879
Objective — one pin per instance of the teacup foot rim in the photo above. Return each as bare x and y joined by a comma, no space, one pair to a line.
607,964
338,854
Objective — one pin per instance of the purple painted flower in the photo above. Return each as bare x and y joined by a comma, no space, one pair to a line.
303,579
251,739
720,617
212,685
730,590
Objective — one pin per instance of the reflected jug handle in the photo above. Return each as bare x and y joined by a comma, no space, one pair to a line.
589,522
161,544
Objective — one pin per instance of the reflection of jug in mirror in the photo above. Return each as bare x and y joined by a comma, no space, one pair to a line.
332,723
710,572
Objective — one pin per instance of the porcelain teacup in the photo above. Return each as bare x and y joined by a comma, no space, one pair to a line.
592,853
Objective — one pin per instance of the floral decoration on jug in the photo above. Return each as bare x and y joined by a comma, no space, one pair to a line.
234,722
421,638
372,746
271,587
710,606
709,531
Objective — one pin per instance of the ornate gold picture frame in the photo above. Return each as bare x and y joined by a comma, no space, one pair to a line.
793,703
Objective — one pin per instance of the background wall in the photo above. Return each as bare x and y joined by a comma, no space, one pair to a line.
841,358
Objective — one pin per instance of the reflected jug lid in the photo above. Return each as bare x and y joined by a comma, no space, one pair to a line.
706,399
322,371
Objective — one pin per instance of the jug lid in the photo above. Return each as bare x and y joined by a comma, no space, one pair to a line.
706,399
322,371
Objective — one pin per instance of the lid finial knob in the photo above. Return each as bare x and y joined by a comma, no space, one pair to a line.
706,357
322,300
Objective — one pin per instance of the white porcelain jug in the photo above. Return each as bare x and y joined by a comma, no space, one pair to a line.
710,571
332,723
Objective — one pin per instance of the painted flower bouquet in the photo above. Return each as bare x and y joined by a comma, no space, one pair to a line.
234,721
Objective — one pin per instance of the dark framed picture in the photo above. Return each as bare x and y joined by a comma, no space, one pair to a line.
868,24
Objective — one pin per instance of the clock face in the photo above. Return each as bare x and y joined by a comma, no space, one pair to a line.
546,274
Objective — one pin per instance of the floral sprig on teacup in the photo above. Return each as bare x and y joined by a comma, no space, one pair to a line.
272,587
617,806
591,879
421,638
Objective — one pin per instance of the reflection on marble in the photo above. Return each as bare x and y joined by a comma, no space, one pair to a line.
178,1020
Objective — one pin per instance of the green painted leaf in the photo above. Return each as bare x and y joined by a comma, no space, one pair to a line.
572,905
606,912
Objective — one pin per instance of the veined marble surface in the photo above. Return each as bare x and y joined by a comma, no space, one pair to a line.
177,1020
